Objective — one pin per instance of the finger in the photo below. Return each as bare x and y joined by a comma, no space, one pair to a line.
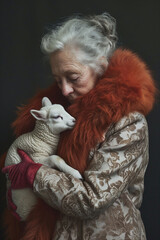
14,175
6,169
15,178
24,156
21,153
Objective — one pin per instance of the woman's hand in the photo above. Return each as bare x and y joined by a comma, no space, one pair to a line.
22,174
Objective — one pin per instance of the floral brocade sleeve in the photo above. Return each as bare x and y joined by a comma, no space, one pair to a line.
114,168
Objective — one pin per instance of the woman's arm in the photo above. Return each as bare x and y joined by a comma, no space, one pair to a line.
113,167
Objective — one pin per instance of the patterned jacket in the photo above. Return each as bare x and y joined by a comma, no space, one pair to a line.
105,205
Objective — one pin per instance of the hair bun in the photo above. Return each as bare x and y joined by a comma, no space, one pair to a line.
106,24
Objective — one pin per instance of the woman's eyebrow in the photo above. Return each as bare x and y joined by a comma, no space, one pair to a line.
71,72
67,72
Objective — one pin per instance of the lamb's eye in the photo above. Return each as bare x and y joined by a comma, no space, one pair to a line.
56,117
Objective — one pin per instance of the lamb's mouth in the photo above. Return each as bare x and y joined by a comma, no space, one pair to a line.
70,125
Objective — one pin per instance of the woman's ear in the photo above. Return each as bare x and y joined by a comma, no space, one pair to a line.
104,62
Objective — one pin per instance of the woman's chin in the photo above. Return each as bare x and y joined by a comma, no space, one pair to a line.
71,99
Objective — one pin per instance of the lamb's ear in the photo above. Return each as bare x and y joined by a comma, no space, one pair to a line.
46,102
39,114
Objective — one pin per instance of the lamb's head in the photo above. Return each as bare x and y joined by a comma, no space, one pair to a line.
54,115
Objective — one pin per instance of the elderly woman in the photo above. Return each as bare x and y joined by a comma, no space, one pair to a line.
109,91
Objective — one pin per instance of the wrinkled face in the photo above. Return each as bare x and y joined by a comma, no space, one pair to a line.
73,78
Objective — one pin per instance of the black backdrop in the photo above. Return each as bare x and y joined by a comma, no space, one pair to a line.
23,70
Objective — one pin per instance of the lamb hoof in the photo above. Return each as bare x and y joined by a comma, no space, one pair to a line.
76,174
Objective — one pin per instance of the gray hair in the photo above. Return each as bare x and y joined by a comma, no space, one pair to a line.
92,37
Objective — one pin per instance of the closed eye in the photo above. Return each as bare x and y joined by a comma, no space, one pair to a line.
72,79
58,116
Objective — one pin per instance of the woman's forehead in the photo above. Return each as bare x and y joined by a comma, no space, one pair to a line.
65,62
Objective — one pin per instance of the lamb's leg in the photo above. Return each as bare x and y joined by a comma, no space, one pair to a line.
55,161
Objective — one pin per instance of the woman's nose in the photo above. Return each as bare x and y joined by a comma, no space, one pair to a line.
66,89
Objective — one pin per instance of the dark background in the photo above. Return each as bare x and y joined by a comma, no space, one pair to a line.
23,69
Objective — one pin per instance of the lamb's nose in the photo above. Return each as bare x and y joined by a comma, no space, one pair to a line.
73,120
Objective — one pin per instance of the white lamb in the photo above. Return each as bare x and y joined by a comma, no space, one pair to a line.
41,145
